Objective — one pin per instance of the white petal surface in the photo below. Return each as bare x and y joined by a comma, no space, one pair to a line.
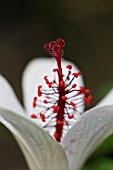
107,100
87,134
8,99
33,76
41,151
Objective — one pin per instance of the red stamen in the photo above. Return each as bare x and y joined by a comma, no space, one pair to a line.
82,90
74,85
55,70
69,66
33,116
39,91
55,109
60,122
87,91
46,79
61,83
34,102
64,97
55,135
42,117
90,97
72,104
50,84
45,101
71,116
76,74
87,99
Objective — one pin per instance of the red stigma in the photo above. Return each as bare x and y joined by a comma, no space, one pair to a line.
61,100
61,42
46,46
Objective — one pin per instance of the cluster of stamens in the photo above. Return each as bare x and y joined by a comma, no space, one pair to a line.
62,98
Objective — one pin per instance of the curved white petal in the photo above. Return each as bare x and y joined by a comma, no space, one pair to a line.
40,149
33,76
107,100
87,134
8,99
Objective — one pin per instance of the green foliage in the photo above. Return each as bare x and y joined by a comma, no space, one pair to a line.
103,164
102,158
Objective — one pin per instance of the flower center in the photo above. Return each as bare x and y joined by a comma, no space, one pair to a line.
62,98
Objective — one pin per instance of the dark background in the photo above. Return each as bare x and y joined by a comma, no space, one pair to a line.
86,26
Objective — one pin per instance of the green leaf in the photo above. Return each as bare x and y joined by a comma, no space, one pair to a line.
87,134
101,164
41,151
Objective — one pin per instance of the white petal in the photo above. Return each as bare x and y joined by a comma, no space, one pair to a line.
87,134
107,100
8,99
33,76
40,149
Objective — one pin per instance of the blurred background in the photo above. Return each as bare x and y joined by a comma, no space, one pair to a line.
86,27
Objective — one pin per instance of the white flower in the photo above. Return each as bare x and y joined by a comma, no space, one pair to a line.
39,148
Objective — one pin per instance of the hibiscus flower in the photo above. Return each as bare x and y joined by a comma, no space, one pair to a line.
35,130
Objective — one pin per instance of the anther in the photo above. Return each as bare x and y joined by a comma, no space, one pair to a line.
55,109
34,102
87,91
42,117
33,116
39,91
50,84
60,122
55,70
61,83
72,104
71,116
46,79
76,74
64,97
69,66
87,99
45,101
74,85
55,135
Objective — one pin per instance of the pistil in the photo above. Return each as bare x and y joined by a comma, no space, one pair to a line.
58,109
